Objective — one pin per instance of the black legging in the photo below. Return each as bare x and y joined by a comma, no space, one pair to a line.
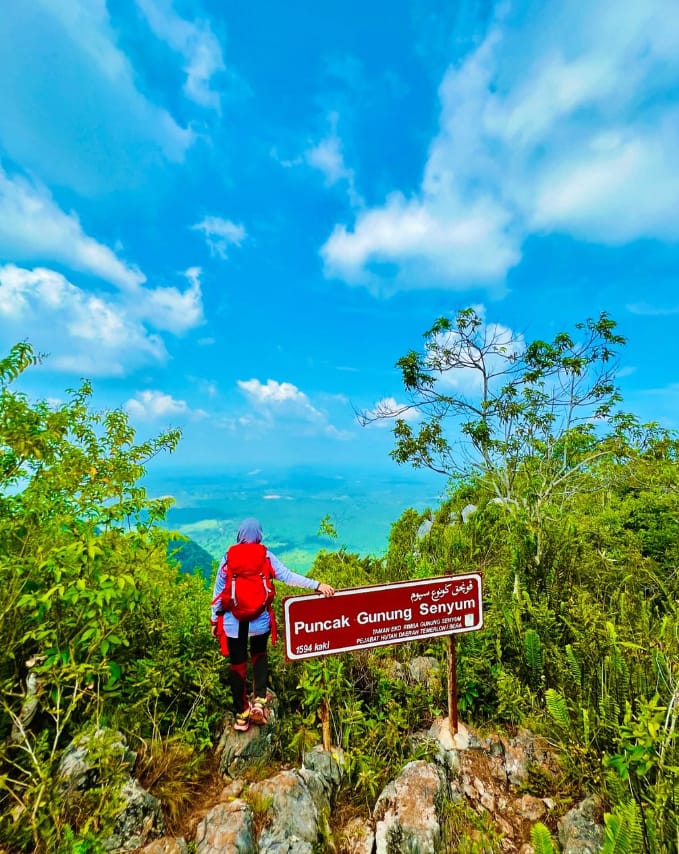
238,662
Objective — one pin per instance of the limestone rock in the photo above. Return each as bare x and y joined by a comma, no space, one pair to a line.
357,838
424,670
405,814
238,749
447,749
467,511
294,816
523,751
140,819
531,808
227,827
322,771
166,845
580,831
79,767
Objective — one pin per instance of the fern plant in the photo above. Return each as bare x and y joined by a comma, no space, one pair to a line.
623,832
541,840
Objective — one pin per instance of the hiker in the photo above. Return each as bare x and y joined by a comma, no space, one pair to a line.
249,554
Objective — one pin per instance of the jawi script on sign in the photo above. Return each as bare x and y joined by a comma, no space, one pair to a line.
382,614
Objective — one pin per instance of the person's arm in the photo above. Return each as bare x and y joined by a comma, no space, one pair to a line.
287,576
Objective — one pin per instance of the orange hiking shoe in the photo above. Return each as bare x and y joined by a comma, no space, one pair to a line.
242,722
259,711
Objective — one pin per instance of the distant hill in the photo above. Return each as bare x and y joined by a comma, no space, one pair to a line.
192,558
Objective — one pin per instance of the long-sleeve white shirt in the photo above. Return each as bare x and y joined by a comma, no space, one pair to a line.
263,623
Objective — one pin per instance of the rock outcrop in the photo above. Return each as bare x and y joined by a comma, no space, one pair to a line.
406,815
290,812
140,816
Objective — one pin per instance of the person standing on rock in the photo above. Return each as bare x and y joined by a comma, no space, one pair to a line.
241,612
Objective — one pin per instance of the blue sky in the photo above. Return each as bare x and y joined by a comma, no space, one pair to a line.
235,217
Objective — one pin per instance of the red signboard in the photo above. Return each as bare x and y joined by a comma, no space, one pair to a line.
382,614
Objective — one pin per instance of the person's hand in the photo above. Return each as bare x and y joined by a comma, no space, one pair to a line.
214,630
325,590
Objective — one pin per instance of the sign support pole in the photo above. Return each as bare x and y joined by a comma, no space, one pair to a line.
452,685
325,715
325,725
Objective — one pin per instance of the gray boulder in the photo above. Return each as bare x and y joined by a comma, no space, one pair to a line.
405,815
228,827
139,820
238,749
424,670
102,759
299,803
80,764
166,845
357,838
322,771
580,830
294,816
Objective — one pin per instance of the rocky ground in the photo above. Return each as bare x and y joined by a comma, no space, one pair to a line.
485,787
292,810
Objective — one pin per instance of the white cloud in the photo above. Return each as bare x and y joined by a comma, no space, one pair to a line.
327,157
645,309
220,234
207,388
273,392
83,333
33,227
276,402
603,194
91,333
197,44
564,122
432,244
173,310
151,405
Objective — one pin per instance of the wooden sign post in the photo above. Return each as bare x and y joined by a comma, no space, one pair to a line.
452,685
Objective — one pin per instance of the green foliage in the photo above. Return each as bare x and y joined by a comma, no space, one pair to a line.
623,832
466,831
92,612
192,558
570,512
326,528
172,770
541,840
534,408
534,657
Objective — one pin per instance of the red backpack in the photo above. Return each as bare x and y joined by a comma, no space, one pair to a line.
249,590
